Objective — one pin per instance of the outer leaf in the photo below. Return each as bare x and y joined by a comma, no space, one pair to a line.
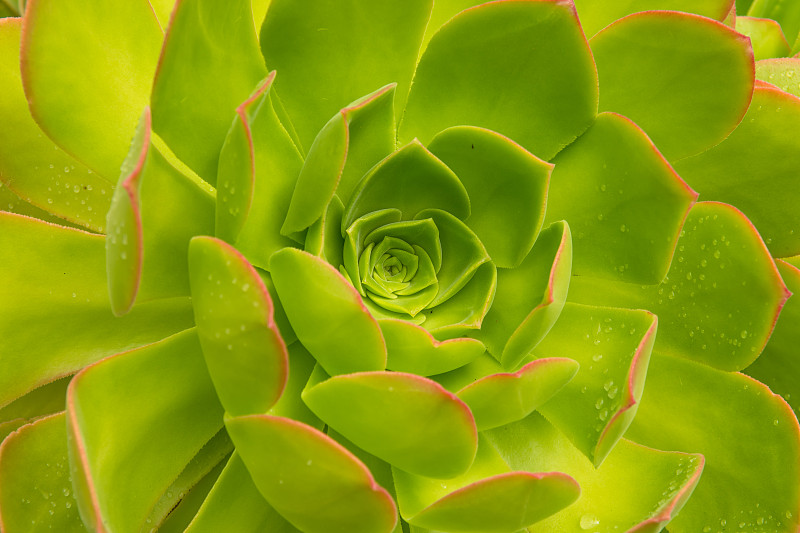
778,363
720,300
780,72
11,203
663,70
786,13
355,38
209,63
258,167
411,349
375,410
637,489
506,185
30,164
244,352
595,15
116,406
502,398
624,203
529,298
297,468
146,251
751,458
324,168
496,53
410,179
487,498
42,295
234,504
755,169
186,509
103,57
35,488
45,400
613,347
344,341
766,37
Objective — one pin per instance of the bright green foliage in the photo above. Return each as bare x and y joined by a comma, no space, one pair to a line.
431,266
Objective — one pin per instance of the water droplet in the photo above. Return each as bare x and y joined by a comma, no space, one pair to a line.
597,357
706,529
623,228
603,187
600,217
599,403
775,422
589,521
716,254
743,334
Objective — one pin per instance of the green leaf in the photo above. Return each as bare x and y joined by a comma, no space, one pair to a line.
720,299
146,250
102,56
778,363
637,489
310,479
209,63
327,314
410,179
502,398
258,168
364,46
755,169
411,349
506,185
766,37
11,203
55,316
751,470
664,70
465,311
498,53
30,164
244,352
377,411
234,504
613,349
529,298
487,498
596,15
786,13
163,9
184,512
126,446
45,400
290,404
35,488
624,203
330,155
780,73
462,253
324,238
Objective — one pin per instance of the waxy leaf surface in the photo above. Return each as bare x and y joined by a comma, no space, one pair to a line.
69,296
258,167
780,72
245,354
755,169
147,246
529,297
310,479
102,57
377,411
613,348
410,348
779,362
118,406
209,63
234,504
506,185
30,164
623,201
35,487
327,314
365,45
637,489
787,14
721,297
666,71
748,435
765,35
497,53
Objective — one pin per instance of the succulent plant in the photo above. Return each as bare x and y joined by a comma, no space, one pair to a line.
350,266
